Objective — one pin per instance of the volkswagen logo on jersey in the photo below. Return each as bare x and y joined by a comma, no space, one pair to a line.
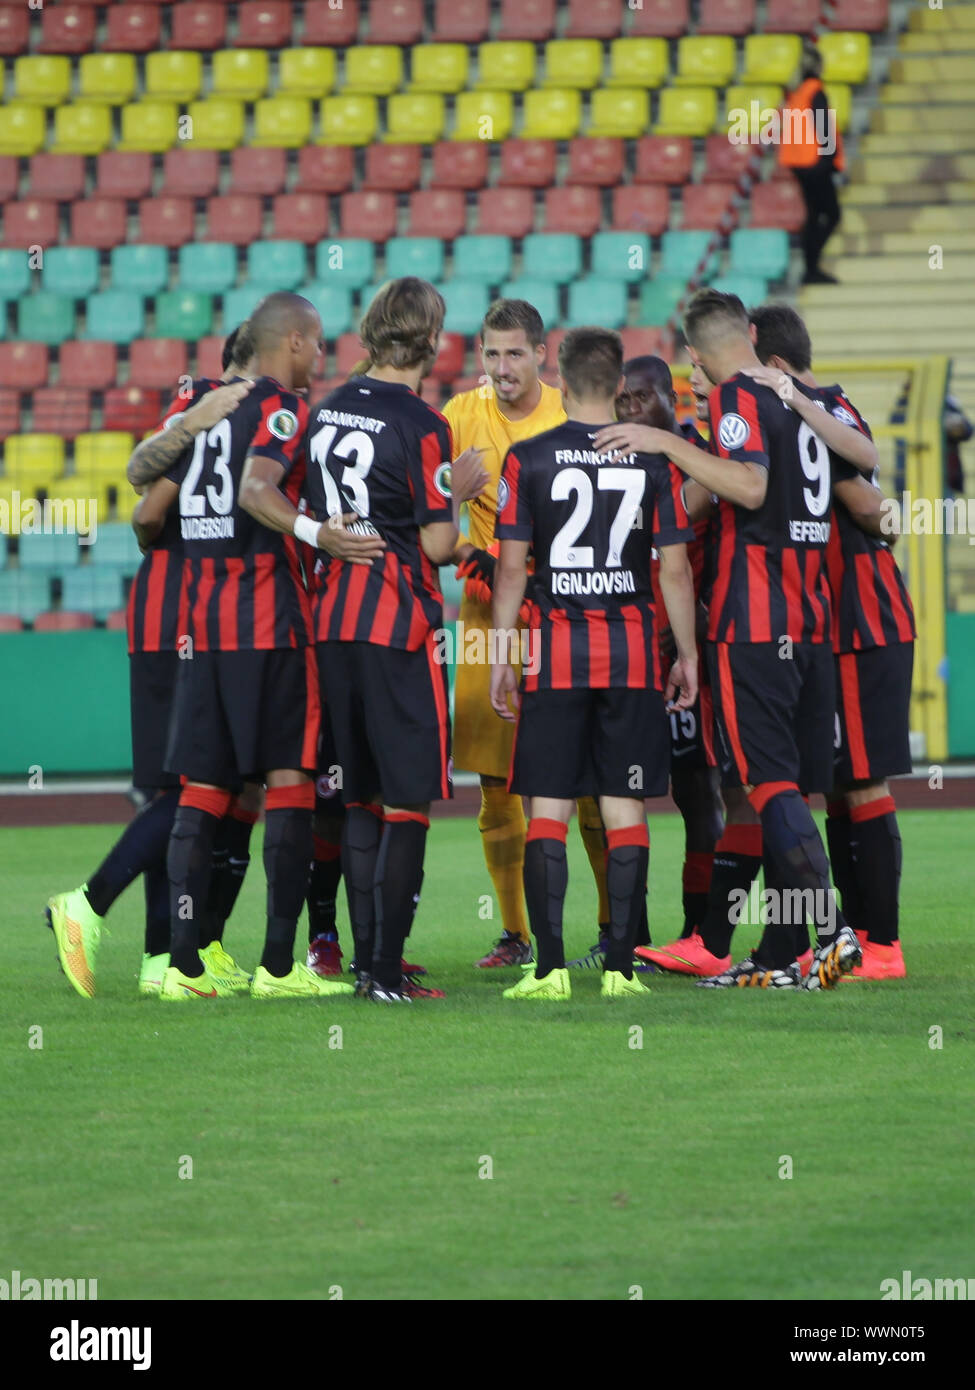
503,495
841,413
732,431
283,424
441,480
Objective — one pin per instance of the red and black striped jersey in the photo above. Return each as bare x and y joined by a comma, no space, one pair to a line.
244,586
374,448
769,563
697,550
153,610
591,520
871,605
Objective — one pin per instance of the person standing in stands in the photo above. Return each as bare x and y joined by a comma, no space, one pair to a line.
812,148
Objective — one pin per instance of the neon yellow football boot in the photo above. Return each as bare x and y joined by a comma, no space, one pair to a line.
555,985
77,930
299,983
616,986
151,973
222,968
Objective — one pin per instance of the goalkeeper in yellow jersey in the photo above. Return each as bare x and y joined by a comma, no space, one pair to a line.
492,418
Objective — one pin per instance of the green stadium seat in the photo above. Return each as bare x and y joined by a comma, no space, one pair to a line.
26,594
846,58
218,123
282,122
185,314
486,258
682,251
373,69
659,300
755,251
573,63
467,302
415,118
49,551
594,300
71,270
117,546
686,111
638,62
210,266
349,262
333,301
438,67
142,269
621,255
542,293
241,73
116,316
414,255
80,127
109,78
349,119
15,276
240,302
45,318
281,263
622,112
551,256
171,76
152,126
551,113
42,79
505,67
93,590
306,72
483,115
750,289
23,129
34,459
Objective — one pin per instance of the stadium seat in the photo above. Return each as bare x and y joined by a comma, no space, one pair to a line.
542,294
594,19
149,125
349,352
34,458
118,620
93,366
459,165
350,262
23,366
49,551
282,263
45,318
173,76
527,19
556,257
15,274
705,205
486,258
92,592
104,453
753,101
594,300
467,302
638,63
260,171
415,118
528,163
505,67
777,203
240,73
598,162
681,253
663,159
791,17
25,595
14,31
461,21
622,112
11,622
422,256
450,359
772,58
349,120
240,302
641,207
209,351
396,21
128,28
9,418
841,100
735,17
573,63
870,16
551,113
440,212
326,168
687,111
334,304
750,289
126,409
645,342
236,217
282,122
70,270
306,72
373,70
218,123
114,316
186,314
22,129
659,299
157,363
198,25
64,28
166,221
368,215
120,175
300,217
396,168
190,173
621,255
665,19
726,161
264,23
63,621
210,266
10,177
483,115
705,60
111,78
335,28
30,222
61,410
82,128
439,67
99,222
846,57
42,80
576,210
143,270
505,212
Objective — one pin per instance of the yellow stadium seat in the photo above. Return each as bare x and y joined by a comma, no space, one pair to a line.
149,125
82,128
755,101
103,454
34,458
415,118
705,60
619,111
846,58
349,120
373,69
841,101
506,67
173,76
573,63
686,111
22,128
107,77
772,58
638,62
483,116
217,124
438,67
42,81
241,73
551,114
306,72
282,122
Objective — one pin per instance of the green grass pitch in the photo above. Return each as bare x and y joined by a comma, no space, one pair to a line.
316,1168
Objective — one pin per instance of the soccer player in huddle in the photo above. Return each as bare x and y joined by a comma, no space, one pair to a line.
591,718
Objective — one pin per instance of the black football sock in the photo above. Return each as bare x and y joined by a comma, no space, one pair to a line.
361,834
838,834
188,861
737,860
157,909
400,858
323,884
626,885
142,843
643,927
782,941
231,856
546,881
877,854
696,883
287,854
793,845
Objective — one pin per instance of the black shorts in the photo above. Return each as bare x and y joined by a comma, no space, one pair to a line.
873,708
572,743
692,735
239,715
152,695
390,719
774,713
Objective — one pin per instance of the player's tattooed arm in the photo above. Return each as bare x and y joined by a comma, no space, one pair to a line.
261,496
157,454
150,512
738,481
849,441
510,579
677,587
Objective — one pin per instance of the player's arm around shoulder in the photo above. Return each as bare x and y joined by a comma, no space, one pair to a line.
151,511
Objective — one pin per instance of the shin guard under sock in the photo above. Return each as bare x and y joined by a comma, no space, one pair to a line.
696,883
399,867
838,833
877,854
737,860
795,849
361,835
188,861
546,881
231,856
287,854
323,885
626,877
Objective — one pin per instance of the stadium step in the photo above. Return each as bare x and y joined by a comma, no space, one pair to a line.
933,219
928,288
853,270
933,43
876,247
908,93
941,67
945,189
909,119
927,143
939,20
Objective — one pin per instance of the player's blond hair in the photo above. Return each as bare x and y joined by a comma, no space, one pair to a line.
401,326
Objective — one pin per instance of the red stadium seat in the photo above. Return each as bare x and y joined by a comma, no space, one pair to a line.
9,412
596,161
348,353
190,173
725,161
665,19
334,28
575,210
396,21
868,16
117,621
31,222
198,24
264,23
14,31
57,176
527,19
123,174
23,366
166,221
301,217
235,217
395,167
461,21
130,28
131,408
67,28
460,164
258,171
93,366
9,622
62,410
450,359
326,168
791,17
777,203
431,390
641,207
595,19
368,215
735,17
439,212
528,163
63,622
505,212
99,222
664,159
157,363
704,205
209,352
9,177
645,342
